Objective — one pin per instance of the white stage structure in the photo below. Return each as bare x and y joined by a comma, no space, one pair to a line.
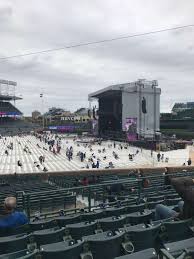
131,107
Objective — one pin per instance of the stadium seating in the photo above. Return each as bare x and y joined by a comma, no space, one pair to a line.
123,229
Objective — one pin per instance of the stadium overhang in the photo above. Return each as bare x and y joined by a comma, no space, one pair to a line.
105,92
9,98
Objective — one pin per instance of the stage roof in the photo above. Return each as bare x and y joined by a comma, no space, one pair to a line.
127,87
9,98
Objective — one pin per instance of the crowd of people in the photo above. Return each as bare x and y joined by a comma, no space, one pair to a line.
94,154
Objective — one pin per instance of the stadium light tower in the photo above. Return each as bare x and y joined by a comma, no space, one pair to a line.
41,96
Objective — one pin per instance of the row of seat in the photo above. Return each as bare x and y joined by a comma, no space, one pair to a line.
57,242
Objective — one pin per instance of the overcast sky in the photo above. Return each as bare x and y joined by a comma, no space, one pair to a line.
68,76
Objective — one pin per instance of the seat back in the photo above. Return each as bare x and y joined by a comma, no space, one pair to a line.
143,238
135,208
91,216
62,250
177,230
15,231
105,245
144,254
23,254
138,218
62,221
112,223
177,248
84,229
11,244
48,236
42,224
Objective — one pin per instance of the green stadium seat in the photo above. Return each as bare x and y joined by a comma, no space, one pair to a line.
15,243
141,238
23,254
177,248
138,218
62,221
91,216
47,236
144,254
155,198
104,245
114,211
176,230
77,230
111,223
134,208
42,224
133,228
62,250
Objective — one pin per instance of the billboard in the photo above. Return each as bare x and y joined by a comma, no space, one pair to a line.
95,127
130,128
66,128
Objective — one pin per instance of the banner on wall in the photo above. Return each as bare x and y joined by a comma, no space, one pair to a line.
95,127
130,128
66,128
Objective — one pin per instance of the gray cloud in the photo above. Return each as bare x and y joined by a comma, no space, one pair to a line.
67,77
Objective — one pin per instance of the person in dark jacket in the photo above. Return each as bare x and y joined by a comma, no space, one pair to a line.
185,188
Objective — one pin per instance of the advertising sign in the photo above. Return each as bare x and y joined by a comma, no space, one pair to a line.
131,128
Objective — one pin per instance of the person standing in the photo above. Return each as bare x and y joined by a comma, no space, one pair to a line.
189,162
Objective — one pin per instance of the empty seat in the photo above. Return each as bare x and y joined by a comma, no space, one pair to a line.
135,208
13,243
144,254
77,230
137,217
90,216
61,250
62,221
141,238
105,245
176,230
115,211
176,248
112,223
23,254
42,224
47,236
155,198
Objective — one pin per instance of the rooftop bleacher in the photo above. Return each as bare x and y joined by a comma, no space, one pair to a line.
8,109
